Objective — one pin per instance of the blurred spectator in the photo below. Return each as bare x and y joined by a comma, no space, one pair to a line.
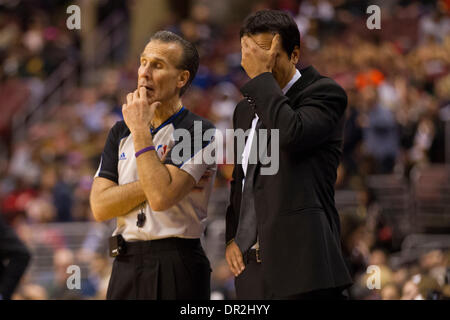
380,132
390,292
92,110
411,291
58,289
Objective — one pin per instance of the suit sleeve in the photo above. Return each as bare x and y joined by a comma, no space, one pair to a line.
110,157
231,218
301,126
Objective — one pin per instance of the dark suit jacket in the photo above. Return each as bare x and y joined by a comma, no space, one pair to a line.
298,224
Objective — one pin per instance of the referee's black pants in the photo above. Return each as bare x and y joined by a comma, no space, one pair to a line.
165,269
250,285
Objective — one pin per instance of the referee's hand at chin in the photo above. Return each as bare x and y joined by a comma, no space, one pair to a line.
233,255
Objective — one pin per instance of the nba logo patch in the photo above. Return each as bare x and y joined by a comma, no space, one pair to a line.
161,150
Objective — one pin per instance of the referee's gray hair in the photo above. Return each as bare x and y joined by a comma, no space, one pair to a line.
189,60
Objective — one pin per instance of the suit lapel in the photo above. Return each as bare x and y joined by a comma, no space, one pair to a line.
245,116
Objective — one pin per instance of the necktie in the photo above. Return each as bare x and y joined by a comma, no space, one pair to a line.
247,228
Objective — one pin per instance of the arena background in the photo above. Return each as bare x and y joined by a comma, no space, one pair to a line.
61,91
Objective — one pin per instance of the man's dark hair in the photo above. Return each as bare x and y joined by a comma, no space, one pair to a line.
273,21
189,59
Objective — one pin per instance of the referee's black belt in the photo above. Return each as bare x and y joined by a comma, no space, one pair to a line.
252,255
159,245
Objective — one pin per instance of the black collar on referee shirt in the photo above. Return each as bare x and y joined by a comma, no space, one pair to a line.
169,120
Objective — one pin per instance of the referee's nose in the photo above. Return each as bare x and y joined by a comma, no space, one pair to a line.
145,71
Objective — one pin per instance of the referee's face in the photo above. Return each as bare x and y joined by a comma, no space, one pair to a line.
158,71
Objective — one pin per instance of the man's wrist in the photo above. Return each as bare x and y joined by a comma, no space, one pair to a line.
146,149
139,129
142,138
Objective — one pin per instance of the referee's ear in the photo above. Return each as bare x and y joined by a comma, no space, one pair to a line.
183,78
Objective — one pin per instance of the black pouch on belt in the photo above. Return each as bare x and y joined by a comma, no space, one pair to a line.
116,246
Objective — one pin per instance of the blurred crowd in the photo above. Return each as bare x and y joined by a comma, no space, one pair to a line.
33,43
398,84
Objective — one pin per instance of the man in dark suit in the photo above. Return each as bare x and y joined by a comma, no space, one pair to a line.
283,230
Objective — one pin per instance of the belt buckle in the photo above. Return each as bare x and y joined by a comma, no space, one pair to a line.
258,259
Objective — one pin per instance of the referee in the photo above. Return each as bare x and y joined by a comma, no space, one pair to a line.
152,190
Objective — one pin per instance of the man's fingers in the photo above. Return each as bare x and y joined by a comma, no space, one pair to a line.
276,43
234,258
231,259
240,260
143,93
250,42
236,269
244,42
252,45
129,98
135,95
230,263
243,48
